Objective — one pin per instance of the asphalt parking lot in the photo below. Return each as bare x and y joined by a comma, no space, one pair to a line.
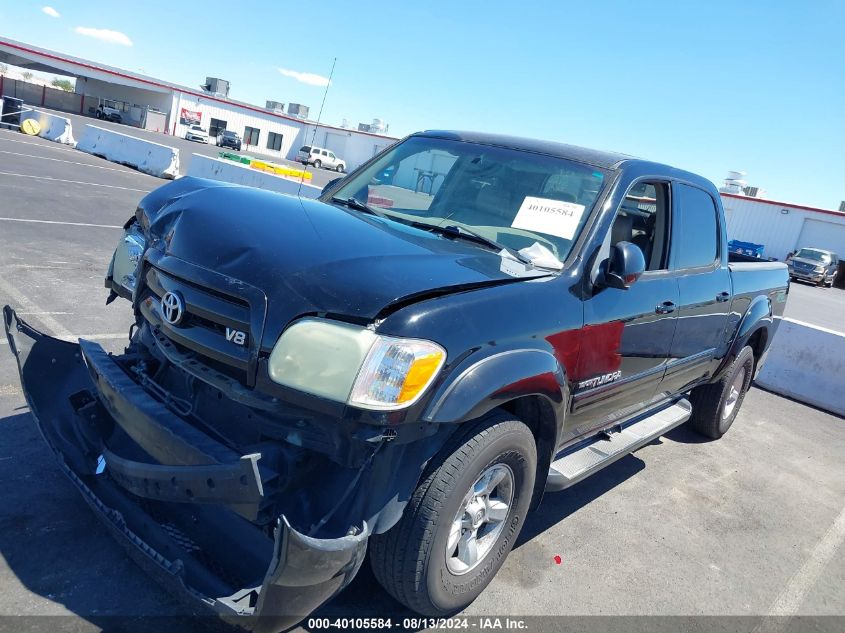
820,306
751,525
319,177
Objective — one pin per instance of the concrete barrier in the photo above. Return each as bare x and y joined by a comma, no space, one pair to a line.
807,363
53,128
236,173
146,156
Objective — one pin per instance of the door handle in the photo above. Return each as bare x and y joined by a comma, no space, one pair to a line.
723,296
667,307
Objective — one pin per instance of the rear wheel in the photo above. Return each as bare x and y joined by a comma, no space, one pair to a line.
462,520
715,406
318,164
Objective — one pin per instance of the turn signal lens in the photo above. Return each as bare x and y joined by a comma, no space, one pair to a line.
396,372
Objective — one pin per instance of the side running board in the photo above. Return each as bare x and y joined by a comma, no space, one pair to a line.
582,460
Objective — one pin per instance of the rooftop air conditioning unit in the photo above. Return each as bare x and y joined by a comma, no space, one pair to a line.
298,110
215,86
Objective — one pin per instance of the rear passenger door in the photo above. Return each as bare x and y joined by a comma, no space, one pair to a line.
704,287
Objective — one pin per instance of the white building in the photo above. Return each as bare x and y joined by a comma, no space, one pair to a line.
264,130
783,227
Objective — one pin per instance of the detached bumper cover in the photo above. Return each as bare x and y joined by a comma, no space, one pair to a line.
293,573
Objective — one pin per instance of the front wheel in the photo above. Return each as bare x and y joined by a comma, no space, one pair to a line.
462,520
716,405
340,168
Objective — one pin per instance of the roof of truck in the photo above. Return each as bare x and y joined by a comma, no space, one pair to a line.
607,160
597,158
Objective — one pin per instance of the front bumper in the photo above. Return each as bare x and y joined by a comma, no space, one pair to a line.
178,502
806,275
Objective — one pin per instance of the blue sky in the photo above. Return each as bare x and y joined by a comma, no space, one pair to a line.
707,86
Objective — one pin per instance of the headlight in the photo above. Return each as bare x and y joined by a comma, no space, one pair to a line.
819,269
127,259
352,364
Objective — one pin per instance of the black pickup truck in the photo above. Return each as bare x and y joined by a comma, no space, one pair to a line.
406,364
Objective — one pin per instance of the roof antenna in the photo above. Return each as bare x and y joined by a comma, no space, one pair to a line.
319,116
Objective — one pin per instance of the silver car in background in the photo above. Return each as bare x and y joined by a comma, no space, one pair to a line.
815,265
320,157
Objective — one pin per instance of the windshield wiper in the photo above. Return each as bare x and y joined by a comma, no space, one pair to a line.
354,203
460,232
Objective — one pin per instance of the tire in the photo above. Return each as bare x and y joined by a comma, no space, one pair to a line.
410,559
317,164
716,405
340,168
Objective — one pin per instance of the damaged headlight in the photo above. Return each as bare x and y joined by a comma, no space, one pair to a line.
123,271
353,364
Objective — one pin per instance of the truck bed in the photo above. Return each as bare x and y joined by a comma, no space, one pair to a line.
758,277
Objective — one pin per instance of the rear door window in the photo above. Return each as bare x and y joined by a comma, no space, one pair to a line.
696,238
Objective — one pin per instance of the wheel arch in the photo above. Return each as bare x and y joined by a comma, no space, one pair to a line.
754,329
529,383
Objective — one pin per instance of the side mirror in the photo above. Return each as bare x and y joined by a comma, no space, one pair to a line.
624,266
331,183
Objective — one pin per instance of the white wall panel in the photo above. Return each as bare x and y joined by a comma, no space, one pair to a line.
778,226
823,234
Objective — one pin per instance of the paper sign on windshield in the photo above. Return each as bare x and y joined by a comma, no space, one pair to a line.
553,217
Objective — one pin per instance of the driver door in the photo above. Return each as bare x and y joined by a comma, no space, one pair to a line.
628,334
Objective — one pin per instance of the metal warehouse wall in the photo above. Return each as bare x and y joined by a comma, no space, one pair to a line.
352,146
237,119
782,227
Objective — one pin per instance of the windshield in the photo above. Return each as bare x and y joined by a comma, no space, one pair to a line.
809,253
513,197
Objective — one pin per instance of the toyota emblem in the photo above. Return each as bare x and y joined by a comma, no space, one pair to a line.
172,307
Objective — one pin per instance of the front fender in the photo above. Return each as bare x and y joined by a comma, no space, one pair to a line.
494,380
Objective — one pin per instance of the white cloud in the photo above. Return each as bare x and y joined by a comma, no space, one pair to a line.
105,35
306,78
51,12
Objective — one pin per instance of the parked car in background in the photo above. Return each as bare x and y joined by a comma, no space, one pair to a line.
228,138
108,111
394,369
320,157
197,133
814,264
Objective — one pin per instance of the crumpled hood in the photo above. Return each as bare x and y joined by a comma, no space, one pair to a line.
311,257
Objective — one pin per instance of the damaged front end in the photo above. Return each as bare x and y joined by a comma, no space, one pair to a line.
207,520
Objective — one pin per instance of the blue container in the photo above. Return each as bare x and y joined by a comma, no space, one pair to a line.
746,248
